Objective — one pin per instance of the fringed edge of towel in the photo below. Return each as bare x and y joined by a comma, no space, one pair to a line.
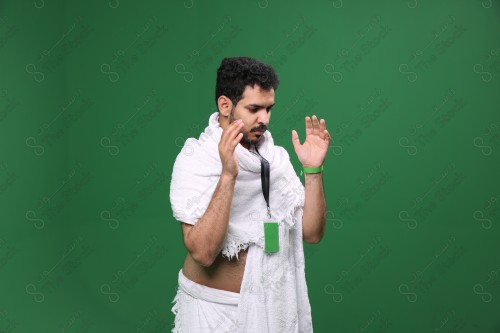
233,246
175,310
289,218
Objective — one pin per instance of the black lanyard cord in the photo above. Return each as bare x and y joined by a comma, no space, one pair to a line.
264,176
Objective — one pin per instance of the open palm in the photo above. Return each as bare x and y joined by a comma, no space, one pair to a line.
313,151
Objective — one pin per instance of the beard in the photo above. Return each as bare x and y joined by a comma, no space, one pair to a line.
245,140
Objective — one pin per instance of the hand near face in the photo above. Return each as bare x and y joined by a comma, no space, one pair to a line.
313,151
230,138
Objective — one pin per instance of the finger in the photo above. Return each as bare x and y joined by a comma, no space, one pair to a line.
232,130
237,140
295,140
235,135
315,125
309,126
234,124
327,137
322,128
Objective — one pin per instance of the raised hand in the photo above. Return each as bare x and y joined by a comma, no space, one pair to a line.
230,138
313,151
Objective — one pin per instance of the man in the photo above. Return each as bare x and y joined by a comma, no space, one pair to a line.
245,213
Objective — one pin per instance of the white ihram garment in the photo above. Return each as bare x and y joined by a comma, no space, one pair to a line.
273,295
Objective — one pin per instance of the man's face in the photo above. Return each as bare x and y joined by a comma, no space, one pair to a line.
254,109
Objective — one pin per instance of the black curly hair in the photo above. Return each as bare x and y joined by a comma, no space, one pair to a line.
234,74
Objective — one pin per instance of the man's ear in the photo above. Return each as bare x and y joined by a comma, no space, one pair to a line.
225,105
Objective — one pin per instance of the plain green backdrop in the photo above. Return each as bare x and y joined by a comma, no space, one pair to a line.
98,97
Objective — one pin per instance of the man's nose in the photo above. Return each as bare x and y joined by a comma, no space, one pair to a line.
263,117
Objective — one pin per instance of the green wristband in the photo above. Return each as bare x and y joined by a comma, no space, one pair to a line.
311,170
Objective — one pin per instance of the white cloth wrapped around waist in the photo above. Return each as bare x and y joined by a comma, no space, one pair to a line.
205,293
273,295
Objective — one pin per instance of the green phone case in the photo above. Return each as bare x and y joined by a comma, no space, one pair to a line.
271,237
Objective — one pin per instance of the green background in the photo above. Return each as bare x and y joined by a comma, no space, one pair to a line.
98,97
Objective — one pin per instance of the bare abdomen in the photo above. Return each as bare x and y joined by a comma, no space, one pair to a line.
222,274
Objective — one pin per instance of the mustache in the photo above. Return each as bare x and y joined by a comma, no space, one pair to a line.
260,128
